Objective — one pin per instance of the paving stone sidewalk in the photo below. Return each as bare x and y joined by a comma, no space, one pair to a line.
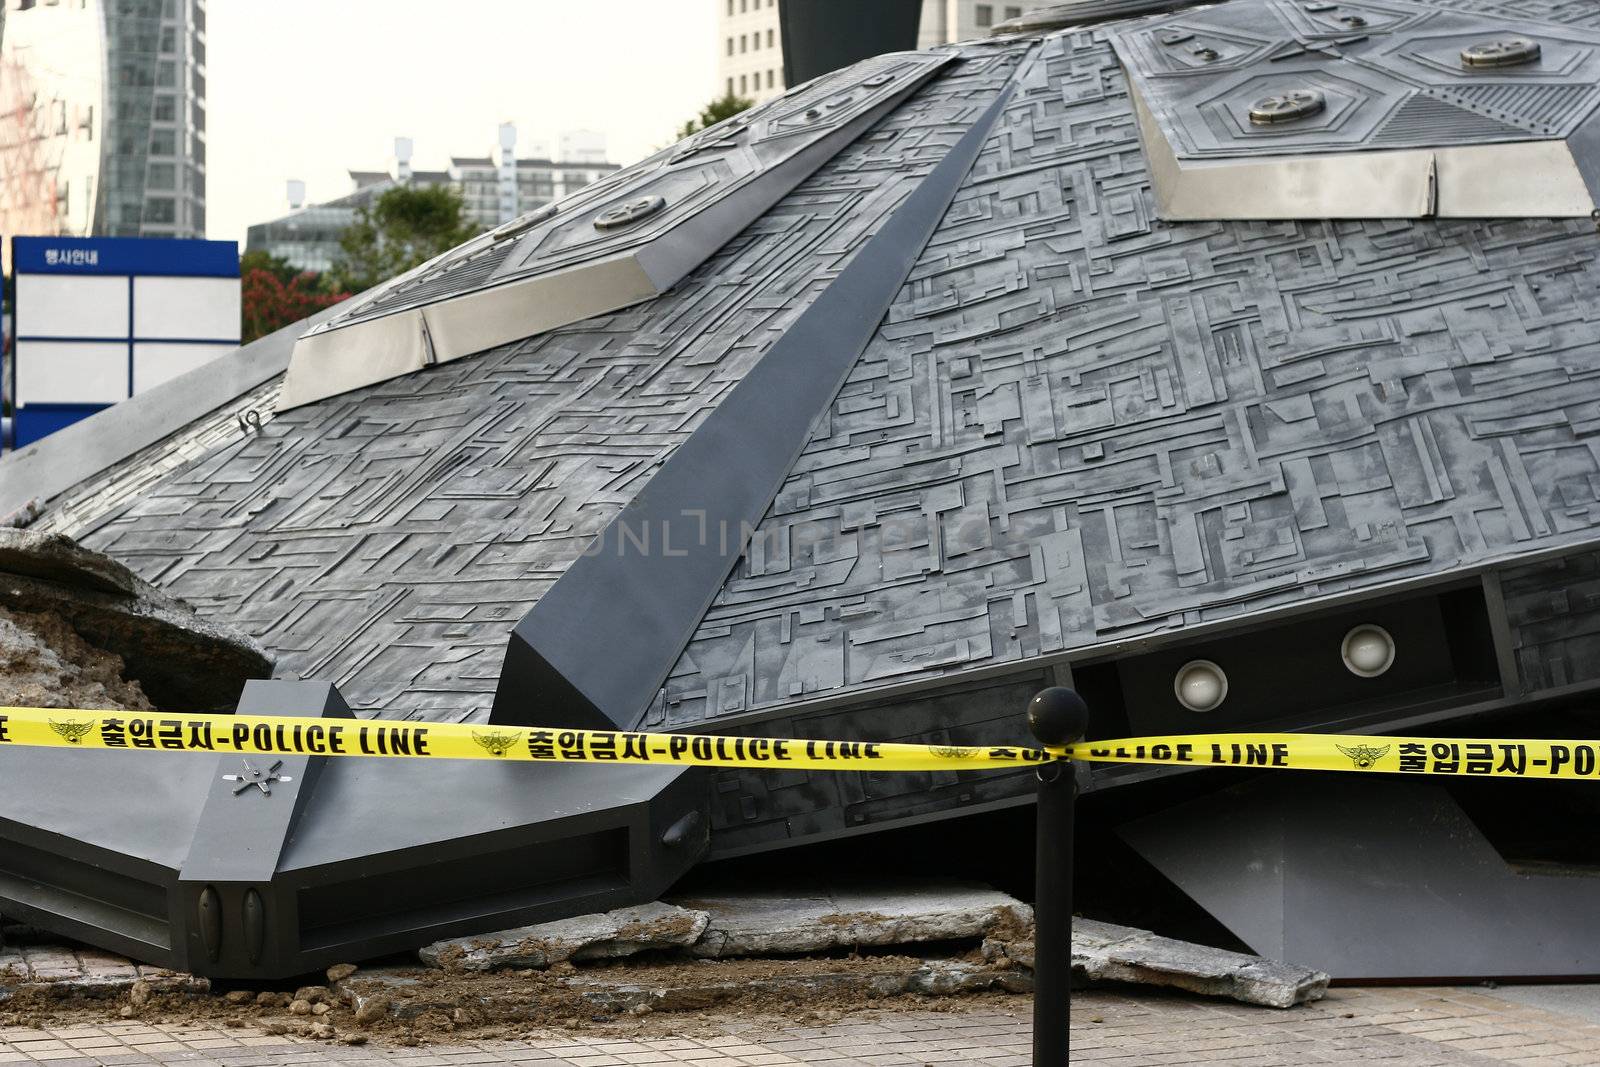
1403,1027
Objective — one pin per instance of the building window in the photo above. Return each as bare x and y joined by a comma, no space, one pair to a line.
742,87
730,46
743,41
730,85
159,209
769,38
771,81
166,108
162,176
730,8
755,42
744,5
1013,12
983,15
163,143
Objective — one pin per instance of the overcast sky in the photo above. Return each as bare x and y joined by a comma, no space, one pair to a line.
312,88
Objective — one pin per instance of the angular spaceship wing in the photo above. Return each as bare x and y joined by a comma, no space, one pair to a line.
622,240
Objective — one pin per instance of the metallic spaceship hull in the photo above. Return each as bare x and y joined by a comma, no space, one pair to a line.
957,414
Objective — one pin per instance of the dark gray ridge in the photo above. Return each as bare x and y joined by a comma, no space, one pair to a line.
597,646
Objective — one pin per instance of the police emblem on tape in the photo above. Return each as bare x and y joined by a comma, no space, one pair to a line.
1364,756
953,752
71,731
496,744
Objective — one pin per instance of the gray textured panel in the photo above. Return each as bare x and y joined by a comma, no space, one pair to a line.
595,648
157,423
1200,70
1075,426
390,539
1080,426
1480,141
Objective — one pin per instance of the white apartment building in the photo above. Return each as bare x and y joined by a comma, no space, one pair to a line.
749,49
750,42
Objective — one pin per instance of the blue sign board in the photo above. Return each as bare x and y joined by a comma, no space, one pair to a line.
149,256
99,319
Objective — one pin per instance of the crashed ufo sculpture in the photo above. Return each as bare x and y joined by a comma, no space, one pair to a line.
1237,365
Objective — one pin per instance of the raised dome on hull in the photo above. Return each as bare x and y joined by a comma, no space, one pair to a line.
958,415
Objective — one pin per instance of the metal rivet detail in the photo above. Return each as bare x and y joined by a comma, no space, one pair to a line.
524,224
626,214
1177,37
208,913
1505,52
1287,106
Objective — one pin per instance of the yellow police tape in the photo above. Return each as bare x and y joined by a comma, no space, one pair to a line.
280,735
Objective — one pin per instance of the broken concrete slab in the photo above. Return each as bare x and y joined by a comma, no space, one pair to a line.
180,660
1106,952
607,935
778,923
58,970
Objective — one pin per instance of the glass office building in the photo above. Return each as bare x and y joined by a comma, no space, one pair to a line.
102,118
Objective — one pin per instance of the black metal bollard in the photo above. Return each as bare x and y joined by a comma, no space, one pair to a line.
1057,717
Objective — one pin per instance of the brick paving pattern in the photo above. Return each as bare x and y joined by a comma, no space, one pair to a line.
1403,1027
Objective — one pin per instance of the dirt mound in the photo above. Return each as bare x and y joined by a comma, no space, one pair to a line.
45,664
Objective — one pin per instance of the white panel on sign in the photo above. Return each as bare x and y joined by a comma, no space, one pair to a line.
186,307
72,305
71,372
156,363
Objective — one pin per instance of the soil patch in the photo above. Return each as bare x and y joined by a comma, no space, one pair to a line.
44,663
429,1005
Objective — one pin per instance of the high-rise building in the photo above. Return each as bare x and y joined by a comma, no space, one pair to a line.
750,40
945,21
102,118
496,188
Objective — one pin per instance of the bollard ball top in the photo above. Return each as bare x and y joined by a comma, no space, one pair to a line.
1058,716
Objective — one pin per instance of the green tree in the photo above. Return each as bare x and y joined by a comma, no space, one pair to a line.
403,228
261,259
723,107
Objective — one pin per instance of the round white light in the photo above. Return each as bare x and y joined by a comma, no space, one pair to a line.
1200,685
1367,650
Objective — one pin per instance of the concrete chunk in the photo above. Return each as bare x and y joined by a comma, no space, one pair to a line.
606,935
780,924
180,660
1106,952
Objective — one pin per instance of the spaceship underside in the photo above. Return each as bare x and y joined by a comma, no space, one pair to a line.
1076,356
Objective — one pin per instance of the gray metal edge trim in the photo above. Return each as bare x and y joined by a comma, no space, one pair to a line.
50,467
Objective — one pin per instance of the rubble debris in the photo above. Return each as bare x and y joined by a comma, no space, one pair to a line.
786,924
45,664
1105,952
178,659
606,935
56,970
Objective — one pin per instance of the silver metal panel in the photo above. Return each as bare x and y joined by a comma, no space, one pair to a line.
620,241
1401,123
